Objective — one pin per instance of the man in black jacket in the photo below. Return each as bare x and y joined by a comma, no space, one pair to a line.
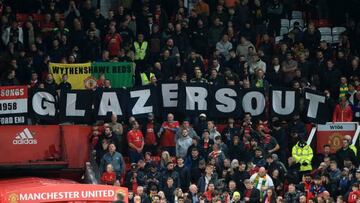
251,194
184,174
345,152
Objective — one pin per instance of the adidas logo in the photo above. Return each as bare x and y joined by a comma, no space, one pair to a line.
24,137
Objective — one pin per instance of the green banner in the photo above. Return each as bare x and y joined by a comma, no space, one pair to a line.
121,74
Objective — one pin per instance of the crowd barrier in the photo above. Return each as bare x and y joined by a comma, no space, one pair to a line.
42,145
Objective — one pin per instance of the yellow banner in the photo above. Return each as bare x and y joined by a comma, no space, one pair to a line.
77,73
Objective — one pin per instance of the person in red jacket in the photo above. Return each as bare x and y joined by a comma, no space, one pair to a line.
113,41
343,112
109,176
167,134
136,143
354,194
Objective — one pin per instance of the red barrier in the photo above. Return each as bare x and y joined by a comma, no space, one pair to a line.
25,144
44,144
76,144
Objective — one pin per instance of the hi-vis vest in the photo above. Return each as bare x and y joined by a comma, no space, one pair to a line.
145,80
140,52
302,155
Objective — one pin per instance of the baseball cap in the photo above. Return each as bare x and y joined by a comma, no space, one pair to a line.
202,115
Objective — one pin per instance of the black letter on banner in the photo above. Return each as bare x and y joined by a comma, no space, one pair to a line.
251,95
139,107
43,103
75,106
316,109
224,101
284,102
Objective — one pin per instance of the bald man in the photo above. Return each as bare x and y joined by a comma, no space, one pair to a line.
262,181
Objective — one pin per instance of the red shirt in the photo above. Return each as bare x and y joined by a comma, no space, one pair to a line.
135,137
342,115
113,43
150,137
108,178
353,196
168,136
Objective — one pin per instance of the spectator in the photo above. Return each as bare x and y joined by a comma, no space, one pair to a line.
212,130
198,76
243,47
115,159
167,134
136,143
206,179
343,112
345,152
183,143
109,176
292,195
224,47
108,135
169,172
262,182
113,41
256,64
251,194
184,174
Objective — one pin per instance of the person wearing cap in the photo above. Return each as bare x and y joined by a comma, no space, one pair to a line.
201,124
150,131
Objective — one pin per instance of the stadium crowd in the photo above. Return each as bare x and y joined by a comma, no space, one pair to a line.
251,43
